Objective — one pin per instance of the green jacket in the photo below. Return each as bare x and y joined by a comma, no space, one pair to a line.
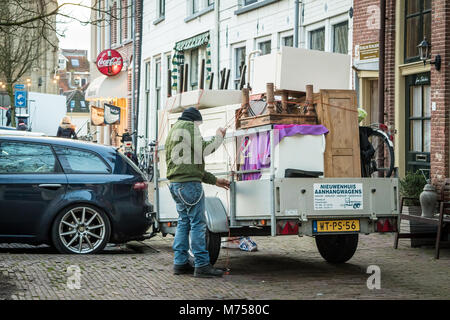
185,151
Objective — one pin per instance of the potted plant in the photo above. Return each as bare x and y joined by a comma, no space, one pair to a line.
411,186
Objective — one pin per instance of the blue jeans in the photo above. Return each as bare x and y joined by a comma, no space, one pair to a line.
190,200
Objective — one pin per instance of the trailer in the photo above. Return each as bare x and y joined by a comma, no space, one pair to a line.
291,196
305,182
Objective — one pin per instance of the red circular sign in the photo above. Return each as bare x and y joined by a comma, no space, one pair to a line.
109,62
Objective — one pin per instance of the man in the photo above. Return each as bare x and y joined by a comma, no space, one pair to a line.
8,116
186,150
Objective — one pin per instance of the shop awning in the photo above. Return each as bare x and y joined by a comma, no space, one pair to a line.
193,42
107,88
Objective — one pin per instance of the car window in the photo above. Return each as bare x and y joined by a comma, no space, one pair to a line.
79,161
22,157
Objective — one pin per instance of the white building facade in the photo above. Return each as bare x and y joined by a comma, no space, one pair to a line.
224,33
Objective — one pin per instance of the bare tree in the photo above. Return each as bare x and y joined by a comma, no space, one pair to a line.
28,29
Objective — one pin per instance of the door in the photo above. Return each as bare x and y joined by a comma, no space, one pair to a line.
418,123
31,181
337,110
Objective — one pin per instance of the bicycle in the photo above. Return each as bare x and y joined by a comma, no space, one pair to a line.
146,158
377,151
127,145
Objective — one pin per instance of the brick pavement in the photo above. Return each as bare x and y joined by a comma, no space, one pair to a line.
283,268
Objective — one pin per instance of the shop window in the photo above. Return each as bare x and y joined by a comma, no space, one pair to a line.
317,39
158,83
194,69
340,38
417,27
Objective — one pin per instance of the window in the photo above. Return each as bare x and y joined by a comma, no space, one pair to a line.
195,6
158,83
210,2
19,157
264,47
78,161
340,38
130,19
239,62
75,62
417,27
317,39
162,8
194,69
288,41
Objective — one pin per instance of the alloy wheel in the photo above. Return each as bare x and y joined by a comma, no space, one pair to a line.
82,230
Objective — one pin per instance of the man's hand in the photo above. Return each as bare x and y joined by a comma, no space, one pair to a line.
223,183
221,132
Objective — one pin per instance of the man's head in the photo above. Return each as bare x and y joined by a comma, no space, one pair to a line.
191,114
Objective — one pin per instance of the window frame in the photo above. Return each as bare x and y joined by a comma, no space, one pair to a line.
421,13
338,24
310,34
110,171
235,64
58,166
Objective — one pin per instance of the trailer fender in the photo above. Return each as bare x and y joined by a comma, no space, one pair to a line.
216,216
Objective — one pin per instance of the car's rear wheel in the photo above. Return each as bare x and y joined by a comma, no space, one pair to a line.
81,229
337,248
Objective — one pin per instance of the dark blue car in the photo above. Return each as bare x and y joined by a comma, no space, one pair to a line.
76,196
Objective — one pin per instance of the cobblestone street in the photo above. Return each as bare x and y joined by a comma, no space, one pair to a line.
283,268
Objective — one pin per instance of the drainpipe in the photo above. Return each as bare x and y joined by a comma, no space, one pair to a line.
296,22
137,102
133,75
381,61
217,18
248,66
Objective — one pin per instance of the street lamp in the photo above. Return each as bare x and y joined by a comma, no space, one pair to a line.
425,54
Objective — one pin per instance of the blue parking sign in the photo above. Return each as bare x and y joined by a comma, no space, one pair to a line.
20,99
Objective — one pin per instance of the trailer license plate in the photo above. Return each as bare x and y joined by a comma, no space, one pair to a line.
320,226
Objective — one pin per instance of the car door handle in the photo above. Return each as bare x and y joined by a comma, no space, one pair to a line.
50,186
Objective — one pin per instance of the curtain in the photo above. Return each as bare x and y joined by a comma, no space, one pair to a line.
341,38
317,39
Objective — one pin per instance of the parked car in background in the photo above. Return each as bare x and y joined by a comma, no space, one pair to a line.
10,131
76,196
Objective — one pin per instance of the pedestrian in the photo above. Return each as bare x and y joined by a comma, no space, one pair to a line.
186,150
22,125
8,116
66,129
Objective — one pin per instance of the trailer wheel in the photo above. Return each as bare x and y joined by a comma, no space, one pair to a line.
337,248
213,242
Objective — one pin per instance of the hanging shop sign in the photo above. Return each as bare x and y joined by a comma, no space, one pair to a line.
97,116
112,114
109,62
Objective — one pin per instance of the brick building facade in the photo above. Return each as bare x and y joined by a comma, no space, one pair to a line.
417,96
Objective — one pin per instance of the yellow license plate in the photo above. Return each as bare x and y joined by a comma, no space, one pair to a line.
321,226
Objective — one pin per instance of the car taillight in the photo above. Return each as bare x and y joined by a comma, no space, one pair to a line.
140,186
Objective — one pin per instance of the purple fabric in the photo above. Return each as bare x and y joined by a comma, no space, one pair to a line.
287,130
256,149
257,154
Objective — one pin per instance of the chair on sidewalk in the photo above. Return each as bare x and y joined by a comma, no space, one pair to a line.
441,220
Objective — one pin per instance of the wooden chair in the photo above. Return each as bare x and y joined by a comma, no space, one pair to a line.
442,220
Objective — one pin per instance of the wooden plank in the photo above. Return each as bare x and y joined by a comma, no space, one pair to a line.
337,110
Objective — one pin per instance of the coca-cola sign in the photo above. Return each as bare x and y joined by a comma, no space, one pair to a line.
109,62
